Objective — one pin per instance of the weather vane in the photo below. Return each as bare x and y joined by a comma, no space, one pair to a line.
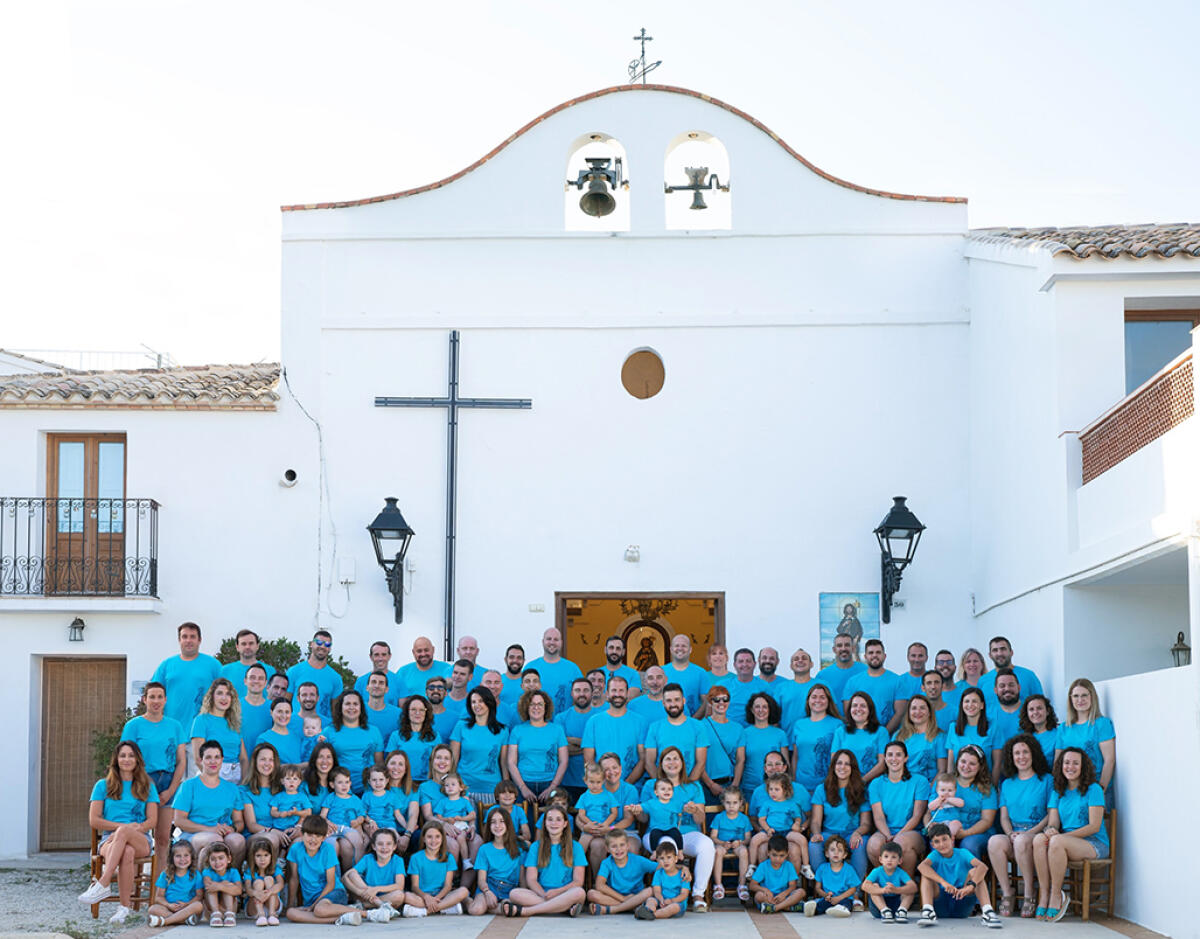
638,67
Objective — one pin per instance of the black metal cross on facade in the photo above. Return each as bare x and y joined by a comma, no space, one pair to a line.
452,402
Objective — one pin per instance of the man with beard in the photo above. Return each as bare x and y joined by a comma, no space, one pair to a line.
316,668
678,730
743,686
1004,717
910,681
835,675
556,672
781,689
1001,653
308,696
598,678
616,730
444,718
649,704
614,654
456,696
413,676
880,685
381,660
572,721
931,687
514,664
681,670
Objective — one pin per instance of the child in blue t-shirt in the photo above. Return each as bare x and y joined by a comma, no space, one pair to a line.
781,813
730,833
222,885
263,883
507,794
775,885
889,888
290,807
431,877
497,864
621,880
596,809
315,891
457,815
952,880
661,814
946,807
670,886
179,889
378,879
346,814
836,881
380,803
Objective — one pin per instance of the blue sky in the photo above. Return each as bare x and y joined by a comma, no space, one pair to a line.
158,138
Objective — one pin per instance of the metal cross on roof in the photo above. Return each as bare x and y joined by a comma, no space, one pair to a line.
638,67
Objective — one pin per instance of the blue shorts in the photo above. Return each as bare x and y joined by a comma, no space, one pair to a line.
336,895
501,888
1099,844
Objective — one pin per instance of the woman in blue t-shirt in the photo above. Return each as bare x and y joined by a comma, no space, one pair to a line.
479,743
288,743
537,747
1039,721
124,810
862,735
220,719
497,864
1074,832
1024,797
980,800
321,762
971,727
265,781
898,800
357,744
554,869
840,807
761,735
925,741
1089,730
812,737
416,736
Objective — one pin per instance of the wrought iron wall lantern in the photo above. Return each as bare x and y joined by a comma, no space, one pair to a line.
602,175
696,183
1181,652
75,630
898,535
390,535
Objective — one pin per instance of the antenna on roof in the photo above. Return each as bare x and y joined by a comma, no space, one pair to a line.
638,67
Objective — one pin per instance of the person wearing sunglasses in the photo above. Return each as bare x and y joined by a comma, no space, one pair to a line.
316,669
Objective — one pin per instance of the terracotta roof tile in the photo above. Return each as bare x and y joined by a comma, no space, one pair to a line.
198,387
1105,241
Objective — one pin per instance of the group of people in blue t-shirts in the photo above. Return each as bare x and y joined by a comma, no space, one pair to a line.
548,790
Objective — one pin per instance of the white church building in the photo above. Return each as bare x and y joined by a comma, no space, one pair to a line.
722,403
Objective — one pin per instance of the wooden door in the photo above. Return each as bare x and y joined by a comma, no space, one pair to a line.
85,537
79,698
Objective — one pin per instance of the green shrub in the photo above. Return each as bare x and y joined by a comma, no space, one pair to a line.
105,740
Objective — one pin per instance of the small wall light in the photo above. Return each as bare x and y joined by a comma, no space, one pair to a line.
898,535
75,631
1181,652
390,536
633,554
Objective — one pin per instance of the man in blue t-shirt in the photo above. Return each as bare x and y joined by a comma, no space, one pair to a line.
1001,653
316,669
880,685
649,704
186,676
381,661
247,641
423,667
782,689
573,720
918,659
614,664
742,688
842,669
952,881
681,670
556,672
616,730
514,665
678,730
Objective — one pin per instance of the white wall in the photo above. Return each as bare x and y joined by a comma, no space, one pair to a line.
235,549
1122,630
1157,721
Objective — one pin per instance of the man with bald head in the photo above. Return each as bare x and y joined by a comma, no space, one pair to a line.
468,648
801,665
506,714
649,704
413,676
555,672
689,676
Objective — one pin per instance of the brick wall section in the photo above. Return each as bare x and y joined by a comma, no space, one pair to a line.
1159,406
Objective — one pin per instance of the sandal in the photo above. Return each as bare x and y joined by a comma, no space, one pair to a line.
597,910
743,892
1006,906
574,910
510,909
1028,908
719,892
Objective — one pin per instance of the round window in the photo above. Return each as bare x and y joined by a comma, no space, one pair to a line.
643,374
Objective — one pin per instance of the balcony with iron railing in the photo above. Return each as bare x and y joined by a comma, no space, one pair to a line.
67,547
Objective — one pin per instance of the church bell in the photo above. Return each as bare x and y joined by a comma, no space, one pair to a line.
602,176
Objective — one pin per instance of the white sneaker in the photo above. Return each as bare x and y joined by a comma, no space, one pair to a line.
837,910
392,912
95,893
858,905
928,917
119,916
413,912
810,907
353,918
455,910
378,915
155,920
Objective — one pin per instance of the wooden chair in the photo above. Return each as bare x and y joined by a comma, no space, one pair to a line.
1093,881
143,880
